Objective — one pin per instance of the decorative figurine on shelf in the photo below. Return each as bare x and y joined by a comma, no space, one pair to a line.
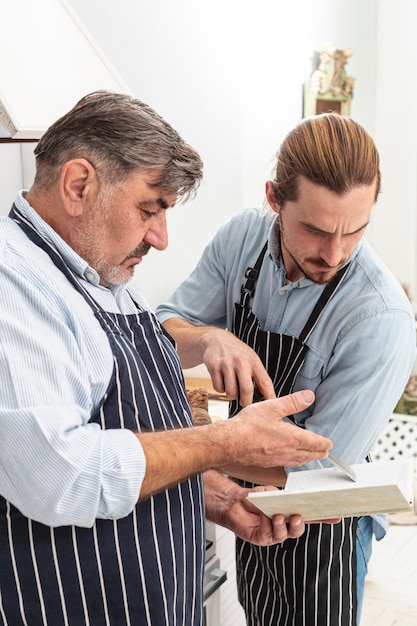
329,88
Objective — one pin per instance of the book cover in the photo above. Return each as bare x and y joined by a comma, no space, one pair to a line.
381,487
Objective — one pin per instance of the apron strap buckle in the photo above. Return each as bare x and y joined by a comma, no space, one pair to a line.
251,276
252,273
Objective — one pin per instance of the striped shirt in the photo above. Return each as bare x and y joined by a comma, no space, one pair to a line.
145,568
56,362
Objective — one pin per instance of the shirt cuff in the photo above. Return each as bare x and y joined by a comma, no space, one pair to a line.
124,466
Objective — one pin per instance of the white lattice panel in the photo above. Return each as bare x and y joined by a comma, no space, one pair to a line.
399,439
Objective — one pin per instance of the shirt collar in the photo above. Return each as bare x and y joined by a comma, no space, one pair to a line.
274,243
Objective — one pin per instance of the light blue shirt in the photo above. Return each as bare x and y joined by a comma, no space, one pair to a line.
55,367
360,354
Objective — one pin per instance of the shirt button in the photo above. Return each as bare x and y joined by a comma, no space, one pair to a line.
90,276
281,292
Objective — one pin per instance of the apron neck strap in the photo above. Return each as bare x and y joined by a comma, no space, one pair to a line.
248,289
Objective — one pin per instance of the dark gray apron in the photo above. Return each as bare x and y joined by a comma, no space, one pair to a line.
310,581
145,569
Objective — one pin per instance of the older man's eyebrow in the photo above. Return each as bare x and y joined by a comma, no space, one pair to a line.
160,202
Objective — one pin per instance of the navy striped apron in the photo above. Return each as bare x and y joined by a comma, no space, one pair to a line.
144,569
310,581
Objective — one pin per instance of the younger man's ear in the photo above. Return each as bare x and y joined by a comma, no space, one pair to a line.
270,196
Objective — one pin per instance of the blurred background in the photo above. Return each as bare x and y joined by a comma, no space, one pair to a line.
228,75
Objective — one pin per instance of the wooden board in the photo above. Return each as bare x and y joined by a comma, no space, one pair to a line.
195,383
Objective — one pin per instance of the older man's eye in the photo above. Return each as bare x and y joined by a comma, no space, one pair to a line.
147,214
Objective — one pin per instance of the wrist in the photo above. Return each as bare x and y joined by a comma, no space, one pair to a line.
220,494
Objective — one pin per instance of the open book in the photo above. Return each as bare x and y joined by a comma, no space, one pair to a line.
380,487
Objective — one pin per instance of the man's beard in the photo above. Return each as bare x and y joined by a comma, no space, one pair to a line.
320,278
113,275
88,246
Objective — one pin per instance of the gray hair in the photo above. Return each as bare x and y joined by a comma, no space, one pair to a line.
119,134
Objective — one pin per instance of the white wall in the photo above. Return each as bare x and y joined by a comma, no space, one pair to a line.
228,75
394,228
10,175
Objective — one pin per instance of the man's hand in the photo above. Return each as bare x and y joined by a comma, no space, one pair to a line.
248,523
234,367
227,505
267,441
256,436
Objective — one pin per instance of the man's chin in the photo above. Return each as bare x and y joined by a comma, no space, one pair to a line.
321,278
121,277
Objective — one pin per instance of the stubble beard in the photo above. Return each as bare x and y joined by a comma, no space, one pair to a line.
114,275
89,247
320,278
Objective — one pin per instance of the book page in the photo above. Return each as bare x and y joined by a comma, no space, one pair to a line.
398,472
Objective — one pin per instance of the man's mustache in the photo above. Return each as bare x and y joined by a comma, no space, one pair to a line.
322,263
141,250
